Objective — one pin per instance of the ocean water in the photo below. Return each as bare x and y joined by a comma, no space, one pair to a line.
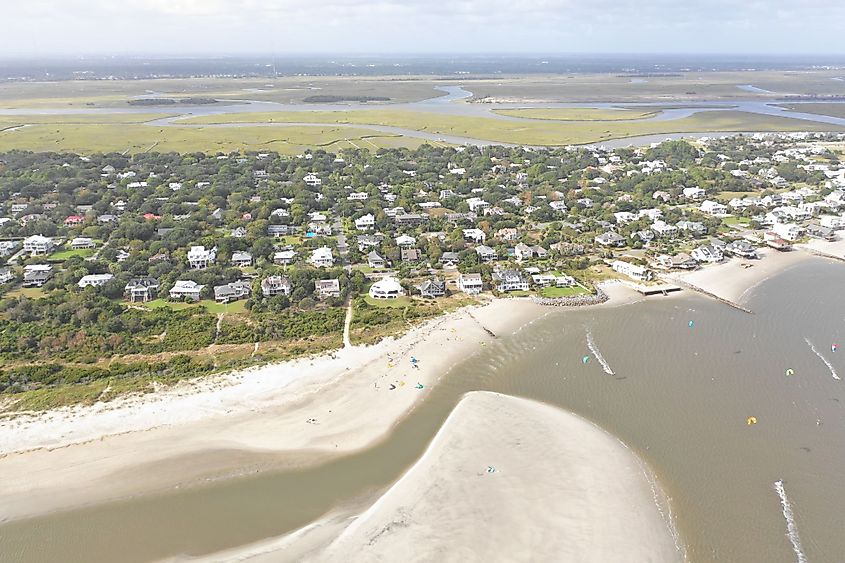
680,396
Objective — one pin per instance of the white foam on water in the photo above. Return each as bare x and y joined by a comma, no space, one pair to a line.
591,344
822,358
791,528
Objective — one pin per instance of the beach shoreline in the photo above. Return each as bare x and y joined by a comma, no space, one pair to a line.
497,450
277,415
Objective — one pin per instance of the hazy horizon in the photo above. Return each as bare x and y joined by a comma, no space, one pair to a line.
518,27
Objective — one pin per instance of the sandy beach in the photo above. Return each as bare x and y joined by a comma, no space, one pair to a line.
505,479
217,427
732,280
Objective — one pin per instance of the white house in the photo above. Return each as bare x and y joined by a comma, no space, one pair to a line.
312,180
38,245
199,258
358,196
275,285
665,230
322,257
474,235
510,280
386,288
406,241
788,231
633,271
707,254
832,221
81,243
284,257
95,280
523,252
471,284
624,217
693,193
187,290
713,208
241,259
365,222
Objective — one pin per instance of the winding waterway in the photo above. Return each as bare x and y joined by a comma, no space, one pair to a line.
679,396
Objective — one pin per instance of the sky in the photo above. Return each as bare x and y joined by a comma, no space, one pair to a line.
195,27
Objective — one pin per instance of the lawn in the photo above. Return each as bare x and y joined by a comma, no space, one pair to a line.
211,305
29,292
730,221
563,291
63,255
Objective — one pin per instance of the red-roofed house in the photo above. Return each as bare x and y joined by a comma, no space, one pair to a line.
73,220
151,216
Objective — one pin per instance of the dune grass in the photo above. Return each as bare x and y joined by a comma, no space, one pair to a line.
831,109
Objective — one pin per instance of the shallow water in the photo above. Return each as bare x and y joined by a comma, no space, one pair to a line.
679,396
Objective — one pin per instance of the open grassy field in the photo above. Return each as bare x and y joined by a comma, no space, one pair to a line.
563,291
85,137
821,108
576,114
539,132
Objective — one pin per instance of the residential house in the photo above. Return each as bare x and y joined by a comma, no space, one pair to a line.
284,257
199,258
358,196
741,248
707,254
507,234
510,280
186,290
485,253
624,217
7,247
328,288
74,220
557,280
410,219
474,235
275,285
82,243
523,252
141,289
540,252
366,222
820,232
471,284
664,230
692,227
37,245
409,255
680,261
375,261
232,291
241,259
322,257
432,288
693,193
312,181
610,239
94,280
405,241
788,231
450,259
6,275
713,208
36,275
238,232
386,288
633,271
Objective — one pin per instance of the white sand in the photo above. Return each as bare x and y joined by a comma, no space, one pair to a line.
562,490
51,460
729,280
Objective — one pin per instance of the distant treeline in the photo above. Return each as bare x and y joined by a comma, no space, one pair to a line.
329,99
171,101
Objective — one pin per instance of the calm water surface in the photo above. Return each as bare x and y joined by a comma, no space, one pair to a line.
680,397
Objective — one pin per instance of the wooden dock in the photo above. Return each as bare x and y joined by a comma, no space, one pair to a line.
663,289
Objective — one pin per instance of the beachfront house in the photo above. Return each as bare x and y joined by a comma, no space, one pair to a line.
186,290
510,280
741,248
707,254
327,288
141,289
432,288
471,284
232,291
633,271
386,288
